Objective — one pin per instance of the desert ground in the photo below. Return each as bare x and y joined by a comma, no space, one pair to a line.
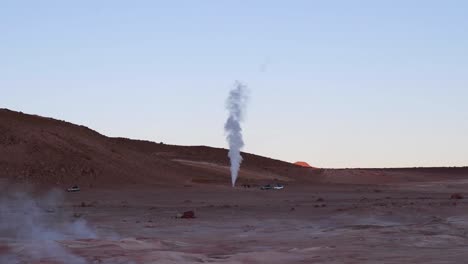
324,223
133,191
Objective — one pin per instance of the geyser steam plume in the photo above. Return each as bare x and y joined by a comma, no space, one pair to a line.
235,104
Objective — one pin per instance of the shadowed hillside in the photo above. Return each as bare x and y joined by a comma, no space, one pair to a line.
42,150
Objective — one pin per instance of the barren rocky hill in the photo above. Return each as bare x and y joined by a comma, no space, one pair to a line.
40,150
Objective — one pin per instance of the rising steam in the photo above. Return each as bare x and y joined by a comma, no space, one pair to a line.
235,104
39,220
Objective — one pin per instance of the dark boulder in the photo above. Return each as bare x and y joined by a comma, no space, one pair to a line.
188,215
456,196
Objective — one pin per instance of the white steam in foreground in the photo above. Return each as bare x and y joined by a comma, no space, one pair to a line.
39,220
235,104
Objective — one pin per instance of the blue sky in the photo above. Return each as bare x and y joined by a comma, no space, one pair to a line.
334,83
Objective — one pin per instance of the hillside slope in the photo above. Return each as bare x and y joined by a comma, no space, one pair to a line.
42,150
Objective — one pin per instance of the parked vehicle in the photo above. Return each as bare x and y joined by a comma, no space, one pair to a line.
272,187
74,189
278,187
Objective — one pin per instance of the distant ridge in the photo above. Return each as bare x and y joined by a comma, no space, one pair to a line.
41,150
303,164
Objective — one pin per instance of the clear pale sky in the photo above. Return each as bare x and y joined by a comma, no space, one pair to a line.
334,83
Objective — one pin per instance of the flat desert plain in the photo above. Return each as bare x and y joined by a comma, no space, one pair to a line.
398,222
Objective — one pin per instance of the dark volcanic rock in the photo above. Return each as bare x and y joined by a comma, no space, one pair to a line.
457,196
188,215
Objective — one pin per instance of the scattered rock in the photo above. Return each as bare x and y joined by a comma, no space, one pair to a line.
456,196
380,204
186,215
319,200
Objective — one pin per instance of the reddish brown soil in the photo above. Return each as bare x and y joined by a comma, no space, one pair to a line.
132,192
325,223
42,150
